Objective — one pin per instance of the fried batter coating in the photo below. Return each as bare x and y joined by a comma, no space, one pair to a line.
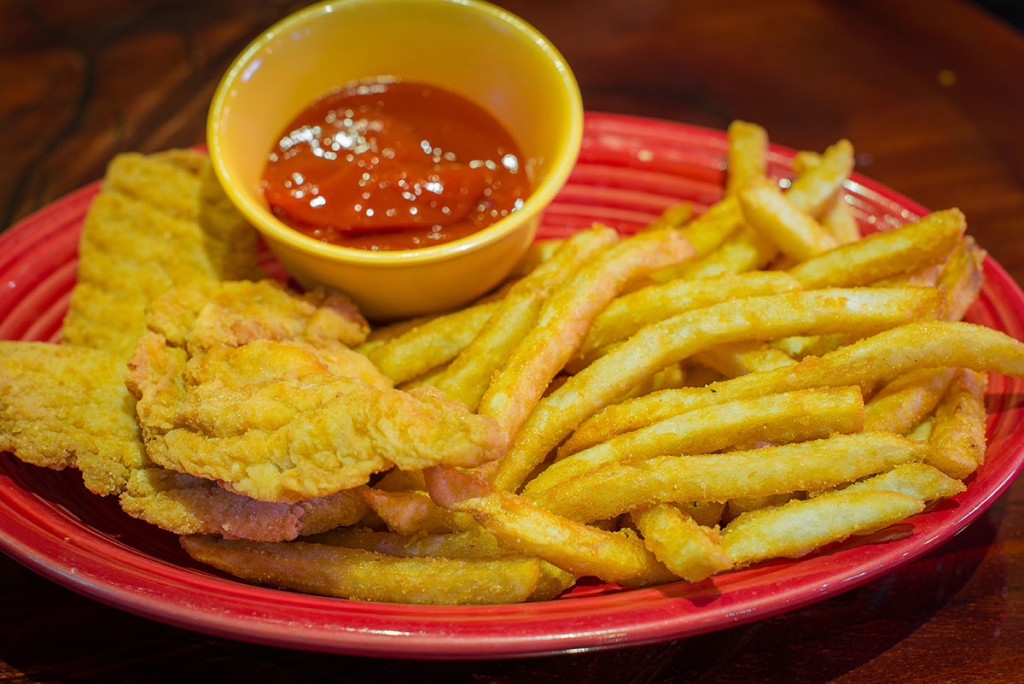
67,407
236,313
287,421
185,504
160,221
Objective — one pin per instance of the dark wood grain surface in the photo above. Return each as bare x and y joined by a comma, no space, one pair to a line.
932,95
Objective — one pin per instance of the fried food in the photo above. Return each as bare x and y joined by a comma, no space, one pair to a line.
754,382
67,407
159,222
258,394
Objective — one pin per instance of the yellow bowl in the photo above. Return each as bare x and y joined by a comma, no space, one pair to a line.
465,46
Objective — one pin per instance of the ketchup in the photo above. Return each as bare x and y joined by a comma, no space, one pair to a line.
387,164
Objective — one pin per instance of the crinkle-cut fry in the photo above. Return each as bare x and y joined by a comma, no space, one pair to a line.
582,550
918,480
744,250
957,441
907,400
67,407
357,574
812,190
622,486
775,418
608,378
565,317
884,254
961,279
915,345
468,375
431,344
802,526
184,504
794,232
746,155
630,312
740,358
687,549
413,512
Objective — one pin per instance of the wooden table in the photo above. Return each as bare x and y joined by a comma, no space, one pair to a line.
930,93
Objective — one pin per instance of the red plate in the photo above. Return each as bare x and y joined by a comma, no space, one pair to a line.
629,170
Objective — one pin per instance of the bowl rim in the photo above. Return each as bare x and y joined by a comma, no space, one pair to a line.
275,230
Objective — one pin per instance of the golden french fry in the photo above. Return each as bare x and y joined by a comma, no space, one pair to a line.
368,576
775,418
467,377
582,550
630,312
740,358
743,504
961,279
915,345
619,487
884,254
795,232
836,215
813,189
799,527
687,549
903,403
661,344
431,344
564,320
957,441
475,543
918,480
747,155
744,250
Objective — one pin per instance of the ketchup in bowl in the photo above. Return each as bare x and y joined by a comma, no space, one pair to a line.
389,165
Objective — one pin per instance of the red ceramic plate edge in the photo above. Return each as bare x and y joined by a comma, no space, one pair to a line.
119,575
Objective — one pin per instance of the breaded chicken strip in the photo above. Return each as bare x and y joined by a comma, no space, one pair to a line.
67,407
159,222
299,425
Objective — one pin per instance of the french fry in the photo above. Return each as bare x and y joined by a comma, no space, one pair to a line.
795,232
813,189
740,358
799,527
905,348
836,216
623,486
906,401
564,320
582,550
467,377
918,480
630,312
688,550
961,279
745,250
776,418
658,345
884,254
431,344
746,157
368,576
475,543
957,440
705,233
